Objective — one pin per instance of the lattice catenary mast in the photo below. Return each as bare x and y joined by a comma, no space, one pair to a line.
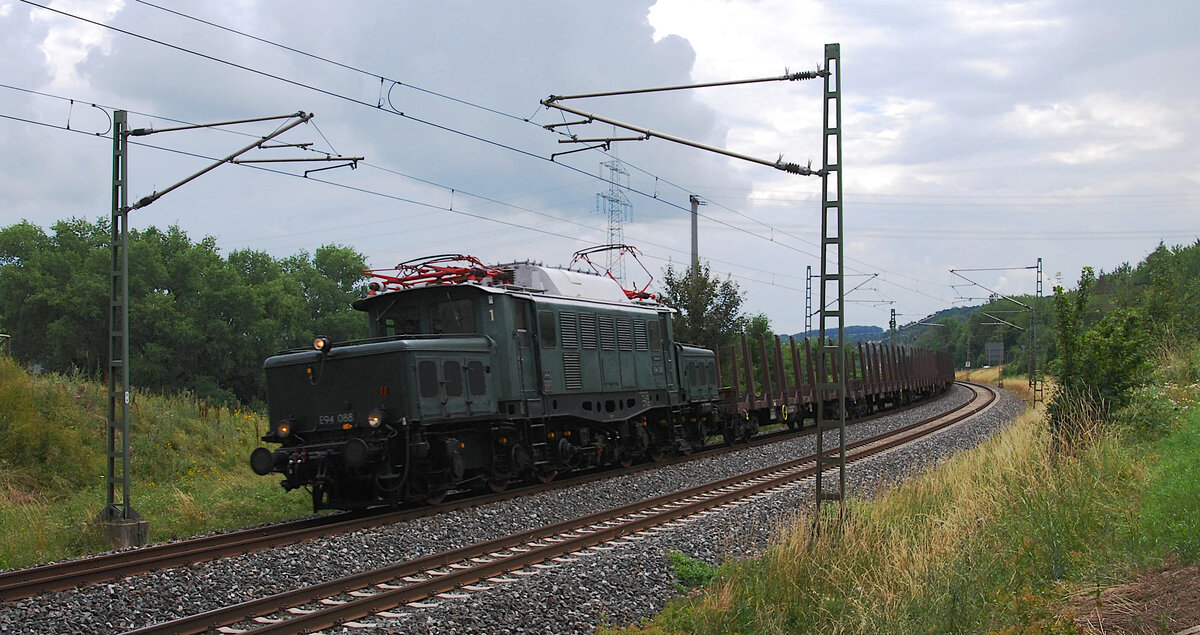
831,359
614,205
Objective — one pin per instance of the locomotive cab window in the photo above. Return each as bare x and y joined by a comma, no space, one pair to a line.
452,316
405,320
547,329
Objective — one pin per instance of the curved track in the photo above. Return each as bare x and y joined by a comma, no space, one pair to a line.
68,574
503,560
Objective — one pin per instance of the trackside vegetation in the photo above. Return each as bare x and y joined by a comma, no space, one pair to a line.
190,471
1025,532
997,539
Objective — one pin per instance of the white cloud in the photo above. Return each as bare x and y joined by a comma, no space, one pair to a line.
1098,127
998,69
68,42
984,17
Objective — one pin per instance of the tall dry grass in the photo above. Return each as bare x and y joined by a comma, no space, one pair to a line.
977,544
1018,386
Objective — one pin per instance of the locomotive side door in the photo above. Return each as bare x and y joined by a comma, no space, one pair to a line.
526,356
665,348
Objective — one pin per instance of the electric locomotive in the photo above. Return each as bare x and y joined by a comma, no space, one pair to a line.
476,377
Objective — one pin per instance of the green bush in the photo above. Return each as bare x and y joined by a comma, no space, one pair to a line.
1114,357
692,573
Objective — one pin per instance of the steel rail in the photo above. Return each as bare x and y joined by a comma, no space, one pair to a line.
486,560
30,581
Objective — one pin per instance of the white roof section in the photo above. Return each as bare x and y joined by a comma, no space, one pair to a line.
569,284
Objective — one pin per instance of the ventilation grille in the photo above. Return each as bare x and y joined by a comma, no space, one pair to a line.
640,341
587,330
625,334
608,335
572,372
570,330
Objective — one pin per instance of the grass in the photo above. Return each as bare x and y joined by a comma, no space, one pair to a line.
996,539
189,465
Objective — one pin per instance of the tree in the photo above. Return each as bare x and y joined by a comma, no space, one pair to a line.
709,309
198,321
1099,367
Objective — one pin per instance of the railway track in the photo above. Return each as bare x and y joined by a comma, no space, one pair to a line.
479,567
22,583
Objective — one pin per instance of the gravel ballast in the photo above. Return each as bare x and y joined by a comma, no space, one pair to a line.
626,584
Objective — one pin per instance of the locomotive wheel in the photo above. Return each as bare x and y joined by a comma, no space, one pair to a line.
547,476
437,497
656,454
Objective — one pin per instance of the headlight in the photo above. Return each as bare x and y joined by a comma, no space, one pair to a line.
375,418
283,429
322,344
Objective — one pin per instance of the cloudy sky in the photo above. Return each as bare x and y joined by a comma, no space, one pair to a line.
977,135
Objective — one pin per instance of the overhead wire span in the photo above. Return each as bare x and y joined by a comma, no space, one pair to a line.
459,211
803,75
189,125
377,107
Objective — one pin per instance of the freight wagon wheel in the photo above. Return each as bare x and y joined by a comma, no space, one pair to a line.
437,497
547,476
498,485
729,437
626,462
656,454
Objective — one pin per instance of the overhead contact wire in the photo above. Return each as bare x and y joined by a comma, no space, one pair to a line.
378,106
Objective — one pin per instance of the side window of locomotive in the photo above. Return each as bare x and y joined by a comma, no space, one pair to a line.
453,316
712,373
655,336
454,378
475,378
427,378
547,330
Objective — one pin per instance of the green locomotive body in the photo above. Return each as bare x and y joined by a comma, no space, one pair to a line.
525,373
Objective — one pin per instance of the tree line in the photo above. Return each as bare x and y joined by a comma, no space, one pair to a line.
199,321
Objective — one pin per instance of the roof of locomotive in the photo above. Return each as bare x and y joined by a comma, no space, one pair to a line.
530,278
